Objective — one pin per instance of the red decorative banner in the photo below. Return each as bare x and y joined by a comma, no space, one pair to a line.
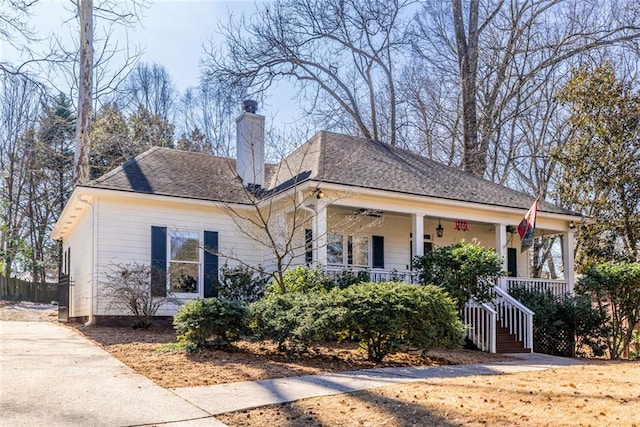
462,225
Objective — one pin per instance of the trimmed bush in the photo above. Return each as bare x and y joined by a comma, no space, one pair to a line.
564,326
385,316
242,283
346,278
457,268
303,279
211,321
295,319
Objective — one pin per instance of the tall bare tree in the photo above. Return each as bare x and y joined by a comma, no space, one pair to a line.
341,55
504,51
19,108
83,123
150,86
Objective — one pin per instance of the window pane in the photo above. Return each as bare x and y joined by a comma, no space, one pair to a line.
184,277
360,248
184,245
334,249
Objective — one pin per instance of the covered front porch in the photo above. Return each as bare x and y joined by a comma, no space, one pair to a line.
379,238
381,242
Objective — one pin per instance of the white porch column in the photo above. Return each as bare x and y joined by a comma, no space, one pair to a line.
319,226
568,244
501,244
417,230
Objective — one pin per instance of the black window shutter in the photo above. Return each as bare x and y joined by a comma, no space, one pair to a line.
512,262
350,250
378,251
158,261
67,269
210,264
308,244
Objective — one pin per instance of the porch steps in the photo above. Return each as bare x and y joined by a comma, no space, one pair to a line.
507,343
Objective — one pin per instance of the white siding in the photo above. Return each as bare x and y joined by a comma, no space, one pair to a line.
81,265
124,234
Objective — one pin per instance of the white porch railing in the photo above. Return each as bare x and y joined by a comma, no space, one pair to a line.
481,321
556,287
514,316
376,274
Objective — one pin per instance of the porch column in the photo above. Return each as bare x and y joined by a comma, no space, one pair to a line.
417,230
319,226
568,244
501,244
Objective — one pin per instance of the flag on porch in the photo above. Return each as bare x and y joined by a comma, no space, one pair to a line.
527,227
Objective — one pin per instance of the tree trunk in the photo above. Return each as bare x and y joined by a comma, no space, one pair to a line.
83,122
474,159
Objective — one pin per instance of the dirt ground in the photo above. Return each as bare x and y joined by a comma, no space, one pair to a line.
147,353
592,394
604,394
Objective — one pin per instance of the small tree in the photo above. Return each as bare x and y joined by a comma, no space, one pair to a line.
128,287
615,287
458,269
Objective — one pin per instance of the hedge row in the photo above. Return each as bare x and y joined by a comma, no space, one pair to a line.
382,316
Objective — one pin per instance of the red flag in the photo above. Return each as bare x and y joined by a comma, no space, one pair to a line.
527,227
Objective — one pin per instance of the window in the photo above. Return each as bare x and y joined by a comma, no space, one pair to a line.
184,261
356,248
176,257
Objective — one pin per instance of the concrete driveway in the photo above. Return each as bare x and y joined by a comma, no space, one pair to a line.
49,375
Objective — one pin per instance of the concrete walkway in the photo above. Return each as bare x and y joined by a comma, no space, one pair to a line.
51,376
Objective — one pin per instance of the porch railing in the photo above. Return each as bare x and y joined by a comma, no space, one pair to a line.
556,287
514,316
376,274
481,321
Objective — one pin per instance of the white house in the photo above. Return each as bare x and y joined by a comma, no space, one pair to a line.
337,201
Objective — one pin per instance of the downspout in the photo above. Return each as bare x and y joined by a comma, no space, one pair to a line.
91,321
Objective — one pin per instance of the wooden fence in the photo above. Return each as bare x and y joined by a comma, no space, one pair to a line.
15,289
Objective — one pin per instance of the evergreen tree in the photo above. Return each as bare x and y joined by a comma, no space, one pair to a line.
601,163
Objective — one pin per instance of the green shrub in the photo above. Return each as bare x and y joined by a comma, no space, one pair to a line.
564,326
634,352
346,278
295,319
615,289
457,268
303,279
242,283
200,320
387,315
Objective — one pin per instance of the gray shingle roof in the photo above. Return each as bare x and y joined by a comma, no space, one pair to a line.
327,157
169,172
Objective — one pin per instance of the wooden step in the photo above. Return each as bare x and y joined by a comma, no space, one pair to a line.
507,342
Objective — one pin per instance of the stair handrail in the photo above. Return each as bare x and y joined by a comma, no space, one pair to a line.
520,323
481,328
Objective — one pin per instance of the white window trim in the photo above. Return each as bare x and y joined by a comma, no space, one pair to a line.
345,252
200,262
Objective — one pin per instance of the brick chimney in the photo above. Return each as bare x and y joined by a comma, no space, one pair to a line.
250,145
